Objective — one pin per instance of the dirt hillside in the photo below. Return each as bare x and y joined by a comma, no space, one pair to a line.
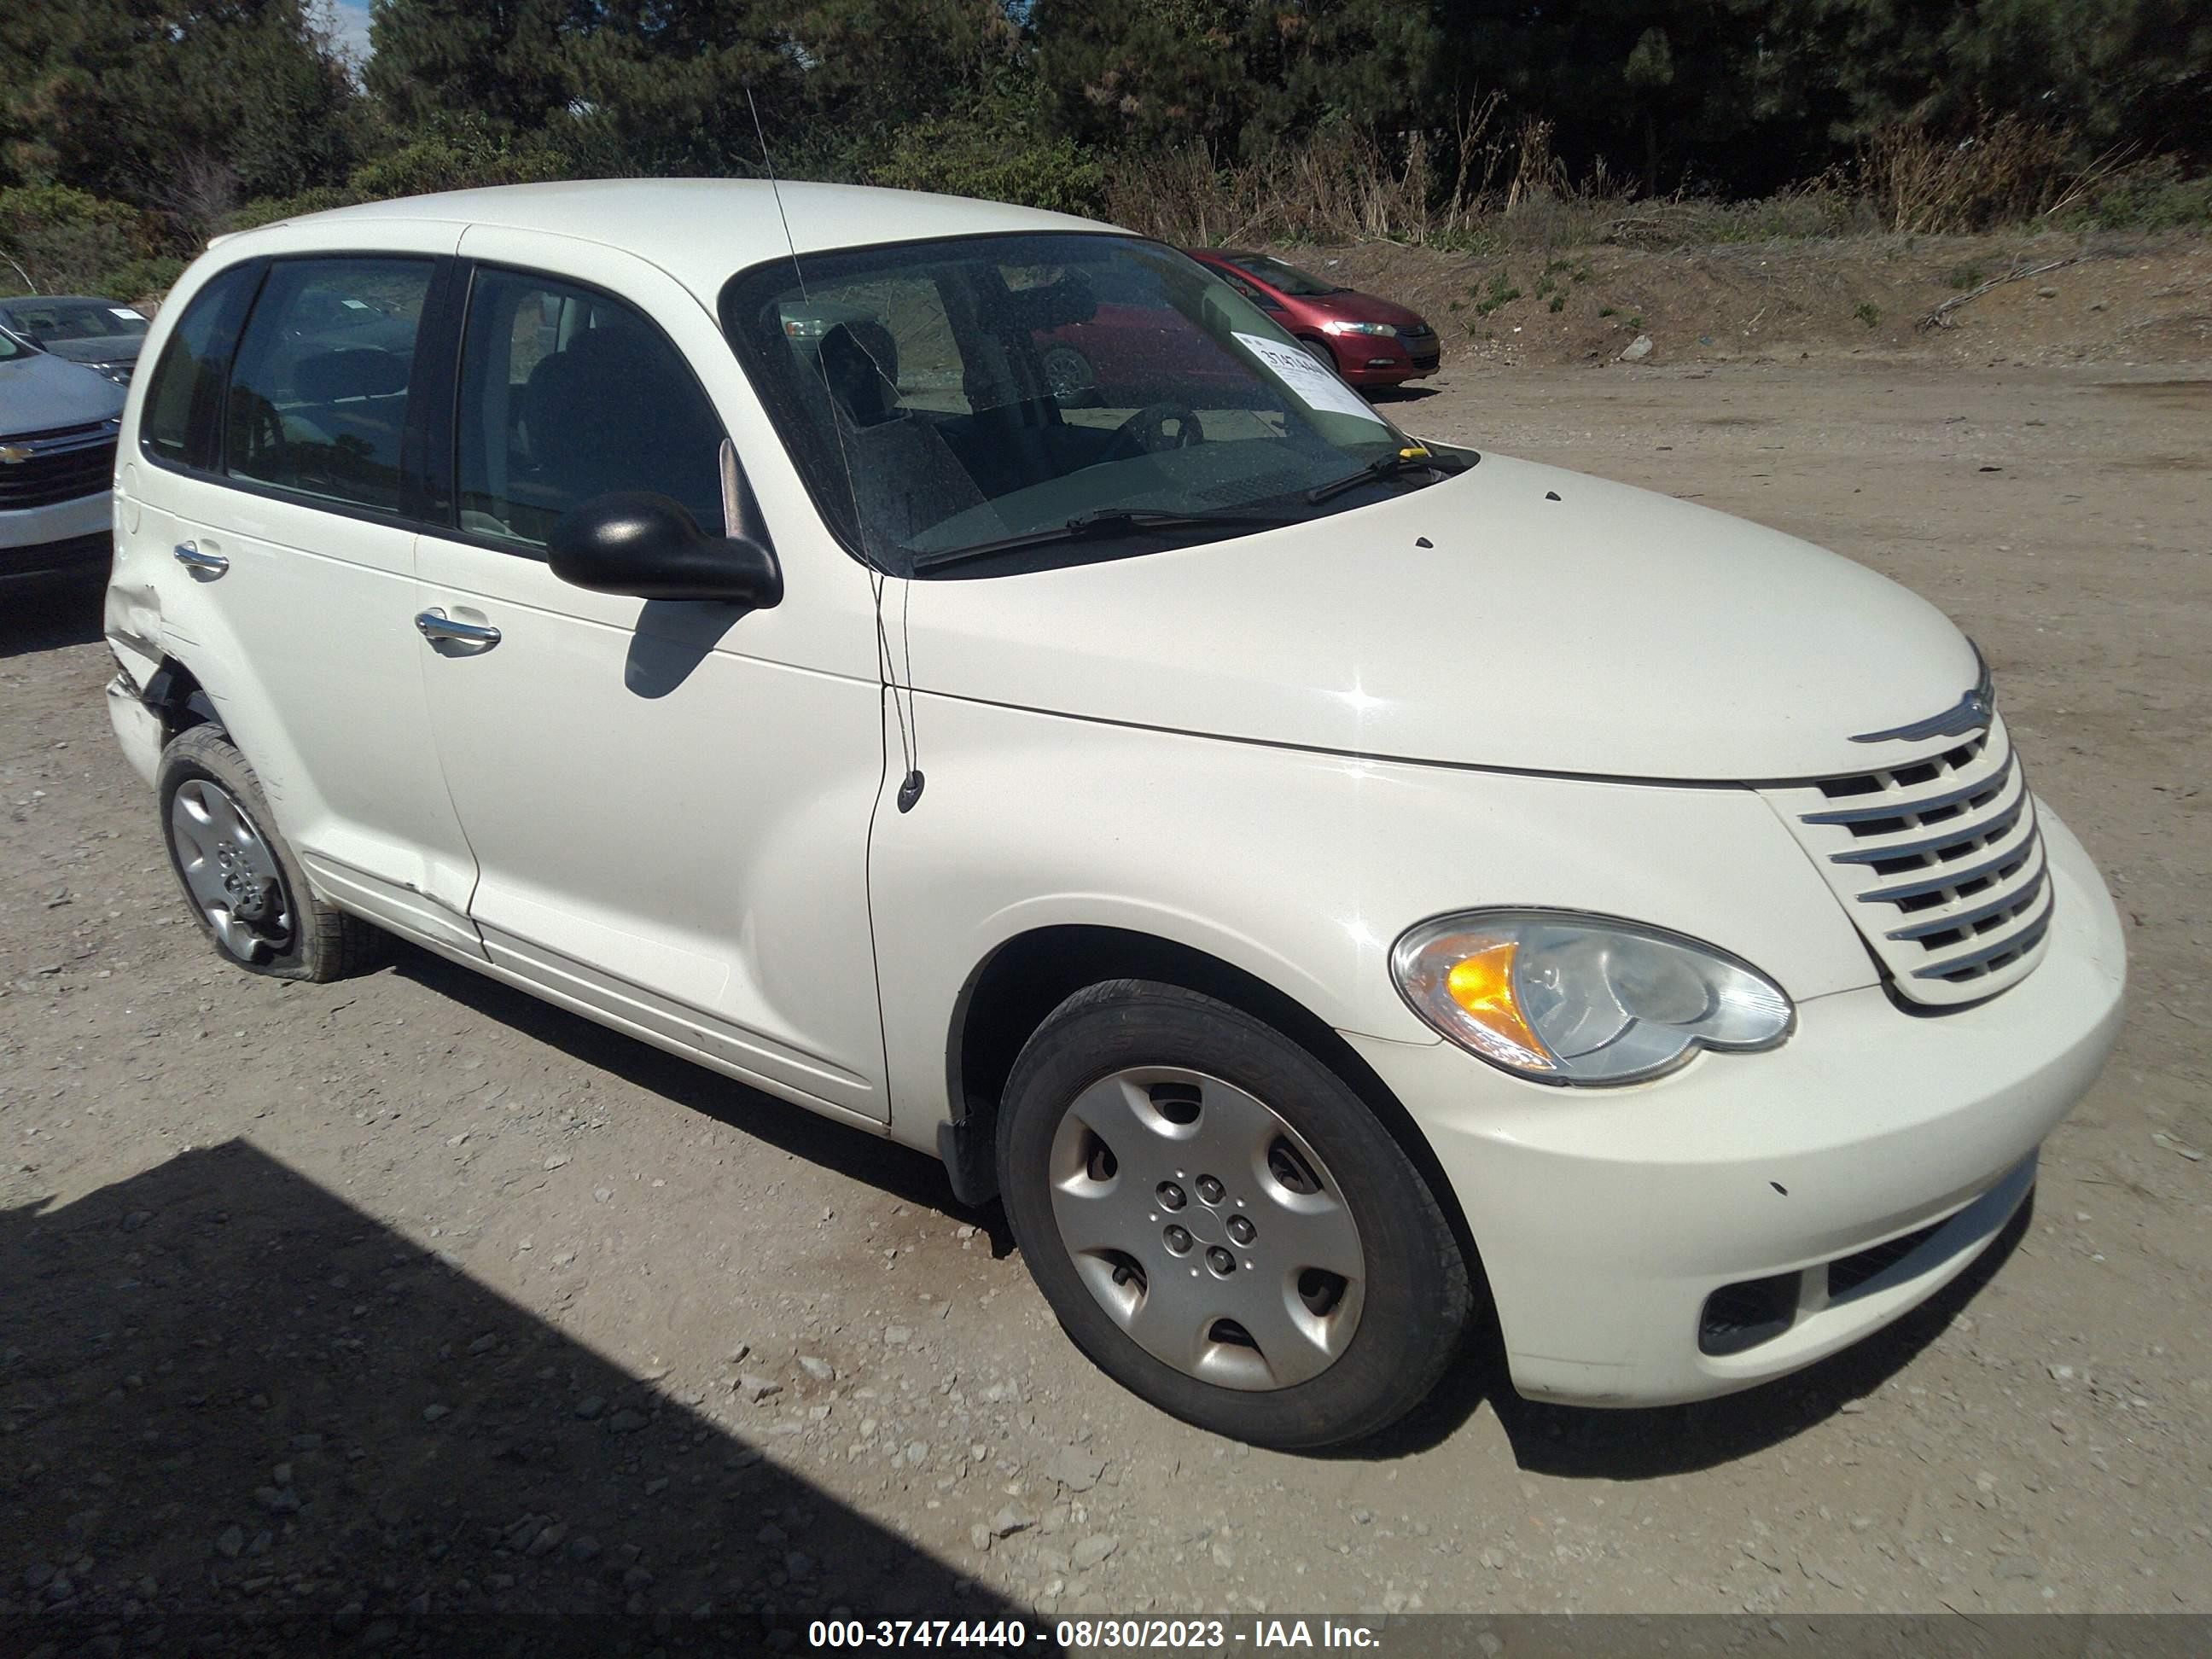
2120,301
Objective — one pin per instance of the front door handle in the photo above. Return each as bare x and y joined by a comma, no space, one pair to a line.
440,628
188,555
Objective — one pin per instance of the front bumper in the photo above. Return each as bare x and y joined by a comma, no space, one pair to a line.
72,535
1390,364
1607,1218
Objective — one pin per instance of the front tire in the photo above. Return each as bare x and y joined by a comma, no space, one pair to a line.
240,877
1221,1225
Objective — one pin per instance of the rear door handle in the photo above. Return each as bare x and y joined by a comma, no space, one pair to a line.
188,555
440,628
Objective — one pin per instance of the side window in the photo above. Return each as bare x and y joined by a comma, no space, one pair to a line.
1246,289
566,394
318,393
183,399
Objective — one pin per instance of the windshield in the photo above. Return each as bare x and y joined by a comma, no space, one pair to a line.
1282,277
49,321
943,397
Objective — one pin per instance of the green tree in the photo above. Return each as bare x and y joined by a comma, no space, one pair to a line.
1235,74
175,107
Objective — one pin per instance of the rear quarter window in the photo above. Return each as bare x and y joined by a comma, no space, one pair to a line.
183,410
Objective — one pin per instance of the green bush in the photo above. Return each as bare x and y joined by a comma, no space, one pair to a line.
145,279
2152,196
462,157
996,155
65,240
268,209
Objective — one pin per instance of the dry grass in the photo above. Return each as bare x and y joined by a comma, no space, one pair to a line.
2008,172
1482,189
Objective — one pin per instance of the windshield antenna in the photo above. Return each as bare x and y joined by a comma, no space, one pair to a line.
909,717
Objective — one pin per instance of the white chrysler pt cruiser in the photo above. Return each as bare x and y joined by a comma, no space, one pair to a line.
967,671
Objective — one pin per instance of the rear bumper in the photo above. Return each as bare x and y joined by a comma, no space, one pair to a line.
1607,1220
137,728
74,534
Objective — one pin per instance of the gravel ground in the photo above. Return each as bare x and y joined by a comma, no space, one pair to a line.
331,1302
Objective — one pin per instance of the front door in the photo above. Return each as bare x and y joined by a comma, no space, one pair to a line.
668,802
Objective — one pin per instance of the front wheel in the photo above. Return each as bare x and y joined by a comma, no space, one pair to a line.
1220,1223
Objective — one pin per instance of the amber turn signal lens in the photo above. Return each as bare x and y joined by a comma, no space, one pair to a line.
1482,984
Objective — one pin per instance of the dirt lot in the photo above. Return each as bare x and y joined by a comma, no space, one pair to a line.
330,1303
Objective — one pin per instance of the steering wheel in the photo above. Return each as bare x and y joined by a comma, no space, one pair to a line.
1149,428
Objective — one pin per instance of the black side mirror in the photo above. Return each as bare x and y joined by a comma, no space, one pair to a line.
648,546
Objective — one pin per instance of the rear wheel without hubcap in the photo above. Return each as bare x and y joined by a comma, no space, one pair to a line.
229,872
243,881
1221,1223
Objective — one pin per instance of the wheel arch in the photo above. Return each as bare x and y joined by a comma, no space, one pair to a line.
1009,994
175,694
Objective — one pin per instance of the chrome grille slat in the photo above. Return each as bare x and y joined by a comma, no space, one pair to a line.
1943,921
2025,937
2022,835
1899,805
1955,832
1956,909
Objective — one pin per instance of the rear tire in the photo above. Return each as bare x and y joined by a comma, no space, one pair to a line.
241,878
1221,1225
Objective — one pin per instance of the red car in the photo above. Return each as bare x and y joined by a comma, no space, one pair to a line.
1369,341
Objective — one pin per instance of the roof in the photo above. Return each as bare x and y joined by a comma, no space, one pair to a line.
703,230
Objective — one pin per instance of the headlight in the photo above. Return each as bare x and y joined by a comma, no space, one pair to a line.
1562,997
1359,328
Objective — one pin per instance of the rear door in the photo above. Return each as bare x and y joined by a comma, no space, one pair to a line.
669,801
285,507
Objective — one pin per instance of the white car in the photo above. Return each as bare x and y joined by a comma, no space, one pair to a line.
1320,880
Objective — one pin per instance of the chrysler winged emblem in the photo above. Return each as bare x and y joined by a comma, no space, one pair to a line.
12,454
1971,713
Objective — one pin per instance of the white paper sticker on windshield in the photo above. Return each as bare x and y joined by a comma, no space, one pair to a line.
1308,378
126,311
354,304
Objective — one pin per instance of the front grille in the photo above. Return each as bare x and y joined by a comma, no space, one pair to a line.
1847,1273
1417,332
63,465
1940,863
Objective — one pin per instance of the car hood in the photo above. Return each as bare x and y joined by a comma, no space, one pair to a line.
39,392
1517,616
108,349
1357,307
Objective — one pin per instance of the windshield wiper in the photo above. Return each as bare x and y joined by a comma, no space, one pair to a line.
1390,466
1106,521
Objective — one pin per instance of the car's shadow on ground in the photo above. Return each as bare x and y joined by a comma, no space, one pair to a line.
1401,394
243,1416
47,613
914,1178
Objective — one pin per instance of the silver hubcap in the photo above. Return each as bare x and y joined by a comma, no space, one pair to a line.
229,871
1207,1228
